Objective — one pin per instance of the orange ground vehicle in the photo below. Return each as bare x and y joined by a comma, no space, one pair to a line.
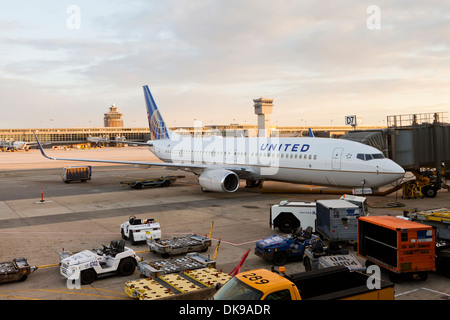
401,246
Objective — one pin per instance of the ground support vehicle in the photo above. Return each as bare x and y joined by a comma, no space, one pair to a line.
403,247
16,270
320,257
163,181
76,174
279,249
191,261
337,220
198,284
87,265
140,229
288,216
334,283
439,219
189,243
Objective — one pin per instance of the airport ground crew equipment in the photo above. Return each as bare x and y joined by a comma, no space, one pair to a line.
190,261
16,270
337,220
439,219
76,174
279,249
288,216
137,230
319,257
163,181
334,283
87,265
198,284
403,247
180,245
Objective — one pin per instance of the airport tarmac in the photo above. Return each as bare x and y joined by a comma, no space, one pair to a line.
80,216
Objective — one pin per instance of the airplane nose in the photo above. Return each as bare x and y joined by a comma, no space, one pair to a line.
394,170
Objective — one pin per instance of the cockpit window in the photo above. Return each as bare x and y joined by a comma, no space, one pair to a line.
367,157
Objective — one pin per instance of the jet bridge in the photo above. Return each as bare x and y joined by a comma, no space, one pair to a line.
420,143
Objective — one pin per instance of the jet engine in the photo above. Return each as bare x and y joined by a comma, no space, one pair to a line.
219,180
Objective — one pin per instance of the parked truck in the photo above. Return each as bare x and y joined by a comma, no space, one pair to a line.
76,174
404,248
334,283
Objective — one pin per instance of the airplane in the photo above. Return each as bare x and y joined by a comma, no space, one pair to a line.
6,145
220,162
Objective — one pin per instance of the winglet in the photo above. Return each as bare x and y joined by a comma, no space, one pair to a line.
311,134
40,147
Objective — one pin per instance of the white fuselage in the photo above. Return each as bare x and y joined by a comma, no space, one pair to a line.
318,161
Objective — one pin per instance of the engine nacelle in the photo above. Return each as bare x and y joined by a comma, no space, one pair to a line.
219,180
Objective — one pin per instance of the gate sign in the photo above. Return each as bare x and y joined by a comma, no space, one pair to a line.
350,120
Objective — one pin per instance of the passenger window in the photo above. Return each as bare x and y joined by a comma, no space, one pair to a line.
279,295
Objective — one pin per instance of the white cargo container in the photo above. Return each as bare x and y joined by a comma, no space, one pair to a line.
288,216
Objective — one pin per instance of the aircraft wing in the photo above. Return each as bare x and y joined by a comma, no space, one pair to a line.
196,168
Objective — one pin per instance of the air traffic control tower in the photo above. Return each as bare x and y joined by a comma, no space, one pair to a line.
114,118
263,108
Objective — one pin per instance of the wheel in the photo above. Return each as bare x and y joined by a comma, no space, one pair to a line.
429,191
286,224
279,258
88,276
167,183
132,238
137,185
123,234
421,276
127,266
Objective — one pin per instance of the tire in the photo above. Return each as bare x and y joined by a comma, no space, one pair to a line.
132,238
429,192
124,237
88,276
137,185
126,267
279,258
166,183
287,223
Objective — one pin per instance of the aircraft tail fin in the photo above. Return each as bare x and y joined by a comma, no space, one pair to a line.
158,128
311,134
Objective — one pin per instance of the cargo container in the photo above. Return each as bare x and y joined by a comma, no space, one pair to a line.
76,174
403,247
337,220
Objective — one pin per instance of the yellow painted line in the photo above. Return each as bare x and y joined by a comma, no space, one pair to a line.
17,297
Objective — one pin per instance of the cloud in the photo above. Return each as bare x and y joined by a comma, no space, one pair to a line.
211,58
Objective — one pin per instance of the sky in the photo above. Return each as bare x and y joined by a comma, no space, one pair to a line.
64,63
